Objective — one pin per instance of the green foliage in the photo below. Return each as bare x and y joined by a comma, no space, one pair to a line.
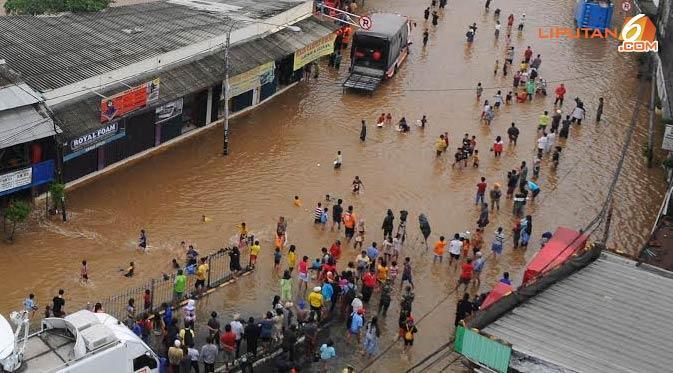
668,162
57,191
35,7
17,212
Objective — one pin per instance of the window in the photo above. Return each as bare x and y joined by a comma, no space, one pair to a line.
143,361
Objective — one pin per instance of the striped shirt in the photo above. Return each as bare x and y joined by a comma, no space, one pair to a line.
317,213
499,238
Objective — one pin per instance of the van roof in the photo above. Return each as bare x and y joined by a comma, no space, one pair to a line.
63,341
384,25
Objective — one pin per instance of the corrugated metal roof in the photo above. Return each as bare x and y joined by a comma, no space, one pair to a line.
51,52
610,316
23,124
77,118
17,95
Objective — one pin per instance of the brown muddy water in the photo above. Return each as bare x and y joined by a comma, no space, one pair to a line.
286,148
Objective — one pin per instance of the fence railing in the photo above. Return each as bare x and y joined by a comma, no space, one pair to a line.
161,289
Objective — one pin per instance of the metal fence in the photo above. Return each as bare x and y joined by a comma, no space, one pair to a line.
161,289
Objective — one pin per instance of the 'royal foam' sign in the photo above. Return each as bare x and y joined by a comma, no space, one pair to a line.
95,136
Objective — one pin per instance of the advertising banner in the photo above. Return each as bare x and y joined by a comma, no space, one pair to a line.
169,111
132,99
251,79
321,47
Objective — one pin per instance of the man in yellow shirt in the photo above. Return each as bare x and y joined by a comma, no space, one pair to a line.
201,275
316,302
382,272
543,121
254,251
440,145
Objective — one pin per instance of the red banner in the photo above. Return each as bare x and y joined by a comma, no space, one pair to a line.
129,100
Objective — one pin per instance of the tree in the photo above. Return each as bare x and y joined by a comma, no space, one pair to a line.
17,212
35,7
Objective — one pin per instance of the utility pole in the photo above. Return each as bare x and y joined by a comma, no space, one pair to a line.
225,89
650,130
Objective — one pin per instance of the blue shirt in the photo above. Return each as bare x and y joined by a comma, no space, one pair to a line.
372,253
327,352
266,328
356,323
29,305
506,281
532,186
327,291
168,316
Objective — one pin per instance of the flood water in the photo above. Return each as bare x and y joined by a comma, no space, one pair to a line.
286,147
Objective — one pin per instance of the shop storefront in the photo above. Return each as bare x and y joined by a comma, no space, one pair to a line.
157,109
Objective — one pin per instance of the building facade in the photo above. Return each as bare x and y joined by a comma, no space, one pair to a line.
141,76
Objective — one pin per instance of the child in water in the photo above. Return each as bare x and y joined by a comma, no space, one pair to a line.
130,270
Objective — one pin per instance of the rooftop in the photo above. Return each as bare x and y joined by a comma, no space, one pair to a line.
55,51
611,316
82,116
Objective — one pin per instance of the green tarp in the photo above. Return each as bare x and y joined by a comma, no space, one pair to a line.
492,353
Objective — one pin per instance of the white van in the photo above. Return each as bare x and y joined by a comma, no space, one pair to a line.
81,342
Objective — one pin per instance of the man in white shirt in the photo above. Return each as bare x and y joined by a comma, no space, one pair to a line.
237,328
455,248
541,144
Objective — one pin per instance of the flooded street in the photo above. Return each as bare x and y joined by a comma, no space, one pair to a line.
286,148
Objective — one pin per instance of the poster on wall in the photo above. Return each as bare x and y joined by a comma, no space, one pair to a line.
168,111
667,143
251,79
16,179
319,48
127,101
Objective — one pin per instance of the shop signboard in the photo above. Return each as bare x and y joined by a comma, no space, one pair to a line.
94,136
667,144
251,79
319,48
127,101
16,179
94,139
37,174
169,111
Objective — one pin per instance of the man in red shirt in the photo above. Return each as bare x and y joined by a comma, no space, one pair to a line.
228,343
560,92
481,191
466,270
368,284
335,250
528,54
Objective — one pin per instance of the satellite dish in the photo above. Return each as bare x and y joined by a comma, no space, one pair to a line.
6,338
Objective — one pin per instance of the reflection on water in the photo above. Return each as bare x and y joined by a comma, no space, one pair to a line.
286,148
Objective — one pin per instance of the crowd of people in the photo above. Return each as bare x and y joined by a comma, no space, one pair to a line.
353,282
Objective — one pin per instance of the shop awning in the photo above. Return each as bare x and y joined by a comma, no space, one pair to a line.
499,290
24,124
563,244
